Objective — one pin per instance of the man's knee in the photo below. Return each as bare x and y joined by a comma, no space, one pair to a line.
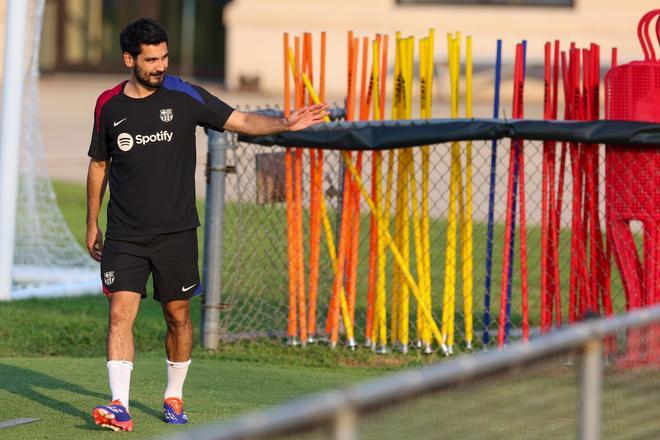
121,319
177,313
123,310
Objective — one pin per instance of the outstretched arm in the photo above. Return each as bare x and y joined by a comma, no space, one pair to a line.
97,179
254,124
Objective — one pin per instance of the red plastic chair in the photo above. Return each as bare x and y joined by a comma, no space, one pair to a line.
632,185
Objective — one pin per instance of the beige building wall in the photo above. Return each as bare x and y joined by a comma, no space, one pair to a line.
255,28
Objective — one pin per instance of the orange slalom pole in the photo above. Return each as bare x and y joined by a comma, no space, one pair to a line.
316,165
352,265
353,208
297,198
292,328
363,81
322,69
333,304
315,215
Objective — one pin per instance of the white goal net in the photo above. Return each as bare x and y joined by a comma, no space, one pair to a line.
47,259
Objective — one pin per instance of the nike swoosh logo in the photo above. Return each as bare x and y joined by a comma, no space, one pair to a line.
118,122
185,289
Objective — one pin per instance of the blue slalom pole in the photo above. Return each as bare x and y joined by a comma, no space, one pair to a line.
485,337
516,172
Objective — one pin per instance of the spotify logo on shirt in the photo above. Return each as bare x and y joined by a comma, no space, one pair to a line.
125,140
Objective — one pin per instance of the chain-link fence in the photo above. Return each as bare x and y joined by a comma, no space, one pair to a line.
255,274
584,280
586,381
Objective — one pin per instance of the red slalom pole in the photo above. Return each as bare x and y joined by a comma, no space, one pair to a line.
523,212
546,313
555,207
577,192
508,244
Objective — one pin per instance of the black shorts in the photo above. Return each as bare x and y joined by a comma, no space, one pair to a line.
170,258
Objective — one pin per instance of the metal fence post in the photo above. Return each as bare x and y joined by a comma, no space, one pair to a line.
343,427
591,384
213,238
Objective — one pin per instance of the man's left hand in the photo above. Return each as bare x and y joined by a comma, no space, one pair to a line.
307,116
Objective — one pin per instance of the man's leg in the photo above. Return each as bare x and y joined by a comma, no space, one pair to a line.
124,307
178,345
176,280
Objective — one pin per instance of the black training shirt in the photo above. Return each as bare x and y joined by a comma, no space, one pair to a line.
151,142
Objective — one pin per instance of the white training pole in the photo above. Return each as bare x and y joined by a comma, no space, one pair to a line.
10,135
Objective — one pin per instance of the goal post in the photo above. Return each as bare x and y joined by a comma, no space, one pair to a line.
10,134
39,255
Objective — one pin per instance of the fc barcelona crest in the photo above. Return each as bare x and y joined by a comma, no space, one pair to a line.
166,114
109,277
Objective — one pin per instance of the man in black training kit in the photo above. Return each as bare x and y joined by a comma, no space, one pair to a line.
143,142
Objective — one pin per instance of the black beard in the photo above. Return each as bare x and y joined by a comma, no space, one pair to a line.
146,81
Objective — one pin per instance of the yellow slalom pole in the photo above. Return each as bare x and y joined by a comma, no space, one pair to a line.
459,181
389,185
449,294
398,288
426,154
381,294
406,166
397,106
312,93
380,324
419,257
417,221
378,304
379,327
410,48
387,214
466,226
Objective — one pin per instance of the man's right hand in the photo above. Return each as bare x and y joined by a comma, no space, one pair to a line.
94,242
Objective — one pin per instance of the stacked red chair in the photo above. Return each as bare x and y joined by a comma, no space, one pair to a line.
633,187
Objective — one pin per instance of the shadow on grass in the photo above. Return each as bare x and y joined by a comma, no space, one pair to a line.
26,384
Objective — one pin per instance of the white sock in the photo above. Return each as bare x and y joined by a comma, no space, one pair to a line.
176,376
119,373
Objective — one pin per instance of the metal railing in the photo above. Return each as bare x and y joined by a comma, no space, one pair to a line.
596,353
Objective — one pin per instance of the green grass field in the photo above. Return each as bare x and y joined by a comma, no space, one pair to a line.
61,391
52,367
52,363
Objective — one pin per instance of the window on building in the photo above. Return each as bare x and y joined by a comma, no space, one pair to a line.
83,35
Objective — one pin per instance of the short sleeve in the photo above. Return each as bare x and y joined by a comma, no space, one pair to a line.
214,112
98,146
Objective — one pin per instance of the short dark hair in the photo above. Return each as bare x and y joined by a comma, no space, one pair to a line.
141,31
